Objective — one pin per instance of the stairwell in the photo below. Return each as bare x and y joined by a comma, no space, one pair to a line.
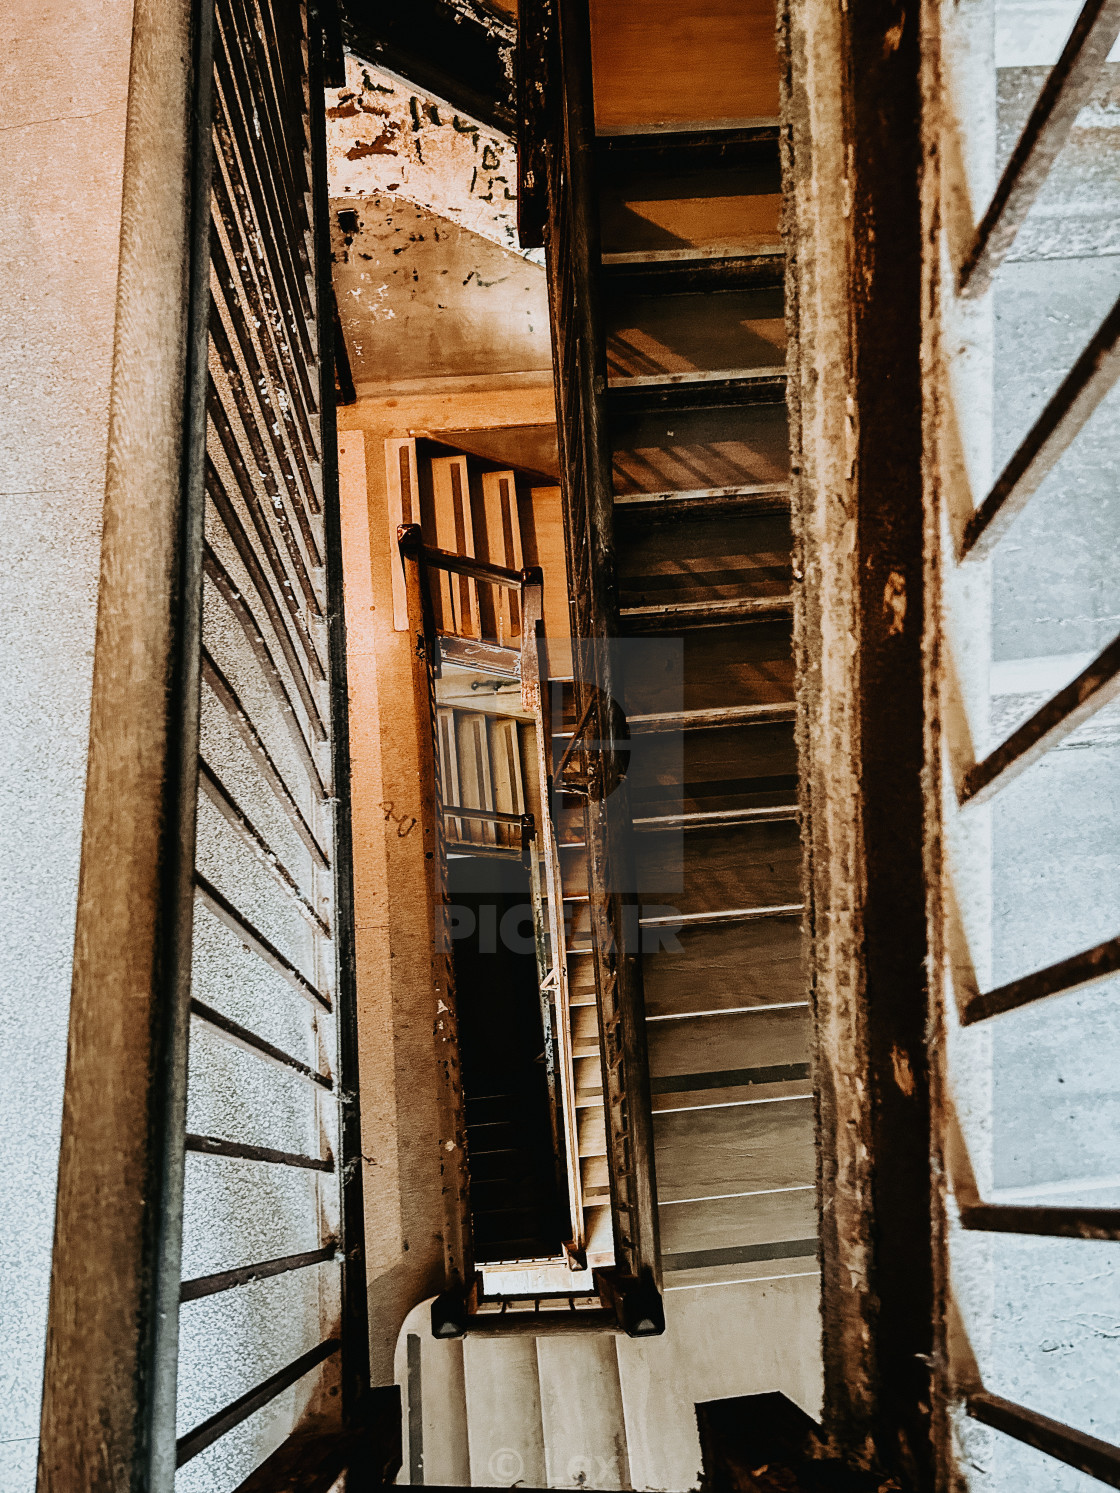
687,269
469,507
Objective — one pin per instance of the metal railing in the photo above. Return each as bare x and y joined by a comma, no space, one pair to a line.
571,242
423,563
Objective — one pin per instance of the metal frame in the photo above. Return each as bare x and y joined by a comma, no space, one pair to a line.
571,237
1065,92
1094,372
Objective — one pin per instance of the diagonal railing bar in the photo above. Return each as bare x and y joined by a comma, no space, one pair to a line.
236,1150
253,939
1054,1223
1055,430
256,573
1064,94
228,1280
204,1435
1093,688
240,1036
257,510
226,805
227,697
1099,1459
1078,970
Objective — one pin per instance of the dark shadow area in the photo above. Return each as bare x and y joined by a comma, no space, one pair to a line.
517,1206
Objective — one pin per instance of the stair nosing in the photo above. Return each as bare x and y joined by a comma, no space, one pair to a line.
694,256
702,496
714,818
697,377
668,128
725,915
713,717
733,609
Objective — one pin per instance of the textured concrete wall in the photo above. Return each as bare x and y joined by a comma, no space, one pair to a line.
64,86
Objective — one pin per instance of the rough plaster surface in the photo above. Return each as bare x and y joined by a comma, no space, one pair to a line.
422,297
386,137
64,85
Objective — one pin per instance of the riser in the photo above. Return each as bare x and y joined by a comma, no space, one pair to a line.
705,208
750,1147
660,451
714,667
708,1048
710,770
715,870
675,562
727,1222
718,966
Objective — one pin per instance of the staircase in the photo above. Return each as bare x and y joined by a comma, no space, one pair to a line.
667,274
469,507
584,1023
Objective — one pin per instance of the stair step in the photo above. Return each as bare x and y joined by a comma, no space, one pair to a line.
706,387
700,446
713,190
683,613
692,271
740,144
729,663
702,502
599,1230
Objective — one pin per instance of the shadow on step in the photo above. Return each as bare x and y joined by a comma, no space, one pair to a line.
361,1460
767,1444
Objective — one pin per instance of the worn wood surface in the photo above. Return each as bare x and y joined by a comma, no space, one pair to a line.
713,59
681,333
727,965
699,1154
662,451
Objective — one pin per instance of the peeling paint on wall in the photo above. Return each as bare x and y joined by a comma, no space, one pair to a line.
420,297
385,137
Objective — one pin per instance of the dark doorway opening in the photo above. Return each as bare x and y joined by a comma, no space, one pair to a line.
518,1207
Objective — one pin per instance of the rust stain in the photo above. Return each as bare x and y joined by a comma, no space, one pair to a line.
903,1073
379,147
894,603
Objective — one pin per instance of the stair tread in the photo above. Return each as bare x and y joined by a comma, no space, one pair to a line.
631,258
759,374
724,715
734,609
761,495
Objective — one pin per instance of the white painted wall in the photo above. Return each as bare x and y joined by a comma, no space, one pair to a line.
63,95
